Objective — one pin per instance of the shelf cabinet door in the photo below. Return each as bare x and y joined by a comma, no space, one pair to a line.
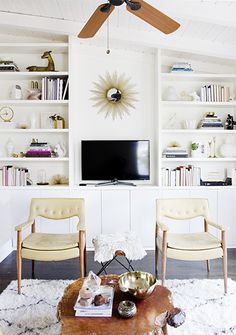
6,216
143,215
226,214
115,211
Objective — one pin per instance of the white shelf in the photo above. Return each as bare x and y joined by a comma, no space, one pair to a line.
199,160
21,131
198,103
33,102
198,131
198,76
33,48
34,159
24,75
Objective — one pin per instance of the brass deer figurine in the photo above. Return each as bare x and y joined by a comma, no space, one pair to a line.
50,67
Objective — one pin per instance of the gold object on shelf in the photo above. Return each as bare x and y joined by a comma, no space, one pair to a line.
49,67
6,113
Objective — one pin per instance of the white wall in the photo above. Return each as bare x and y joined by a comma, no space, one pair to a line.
86,64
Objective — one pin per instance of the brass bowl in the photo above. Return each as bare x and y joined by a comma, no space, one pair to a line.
137,283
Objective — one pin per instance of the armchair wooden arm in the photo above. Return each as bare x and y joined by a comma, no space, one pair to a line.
24,225
162,226
215,225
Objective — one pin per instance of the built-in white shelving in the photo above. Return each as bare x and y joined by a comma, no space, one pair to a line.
175,114
25,55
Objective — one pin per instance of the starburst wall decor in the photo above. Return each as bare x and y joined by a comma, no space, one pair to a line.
114,95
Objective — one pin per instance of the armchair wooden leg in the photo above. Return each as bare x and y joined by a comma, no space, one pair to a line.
32,269
208,265
164,252
19,261
82,263
82,252
224,260
156,261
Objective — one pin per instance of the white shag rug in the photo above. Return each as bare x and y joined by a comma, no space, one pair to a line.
208,310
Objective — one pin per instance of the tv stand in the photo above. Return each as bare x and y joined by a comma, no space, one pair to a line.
115,182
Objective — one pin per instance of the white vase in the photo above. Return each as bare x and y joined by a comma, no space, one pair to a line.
9,148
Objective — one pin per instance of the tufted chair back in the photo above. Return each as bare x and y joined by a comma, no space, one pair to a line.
58,209
182,208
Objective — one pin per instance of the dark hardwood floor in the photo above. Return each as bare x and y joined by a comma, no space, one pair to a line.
70,269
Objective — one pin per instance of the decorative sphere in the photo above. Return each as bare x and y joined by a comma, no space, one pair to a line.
114,94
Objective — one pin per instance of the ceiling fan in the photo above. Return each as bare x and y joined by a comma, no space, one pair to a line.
139,8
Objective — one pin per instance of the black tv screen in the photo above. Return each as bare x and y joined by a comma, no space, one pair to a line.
118,159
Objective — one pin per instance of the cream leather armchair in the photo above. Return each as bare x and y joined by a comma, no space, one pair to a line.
192,246
52,247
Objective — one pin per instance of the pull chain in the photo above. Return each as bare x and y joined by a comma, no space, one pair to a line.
108,37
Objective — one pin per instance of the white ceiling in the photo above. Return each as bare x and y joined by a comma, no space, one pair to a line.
207,26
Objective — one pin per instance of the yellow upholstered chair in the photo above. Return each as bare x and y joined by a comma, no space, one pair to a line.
52,247
191,246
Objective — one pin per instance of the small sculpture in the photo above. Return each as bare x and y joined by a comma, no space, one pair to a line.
50,67
60,150
195,96
34,93
229,122
59,180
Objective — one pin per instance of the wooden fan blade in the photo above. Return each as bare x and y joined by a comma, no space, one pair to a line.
95,22
154,17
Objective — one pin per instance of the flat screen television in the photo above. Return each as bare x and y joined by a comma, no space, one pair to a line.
115,160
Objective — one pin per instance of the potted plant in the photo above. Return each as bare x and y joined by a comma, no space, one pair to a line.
195,149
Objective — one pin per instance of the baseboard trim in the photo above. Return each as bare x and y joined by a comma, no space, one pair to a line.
5,250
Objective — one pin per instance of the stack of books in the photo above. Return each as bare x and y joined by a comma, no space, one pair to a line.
211,121
175,152
104,310
181,67
54,88
8,65
39,149
215,93
181,176
13,176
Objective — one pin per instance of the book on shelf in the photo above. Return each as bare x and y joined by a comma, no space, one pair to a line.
181,67
104,310
175,152
214,93
55,88
39,149
8,66
13,176
181,176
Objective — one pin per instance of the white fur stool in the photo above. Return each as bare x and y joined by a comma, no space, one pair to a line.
108,247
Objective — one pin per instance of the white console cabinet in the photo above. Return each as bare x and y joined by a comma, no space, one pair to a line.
110,210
